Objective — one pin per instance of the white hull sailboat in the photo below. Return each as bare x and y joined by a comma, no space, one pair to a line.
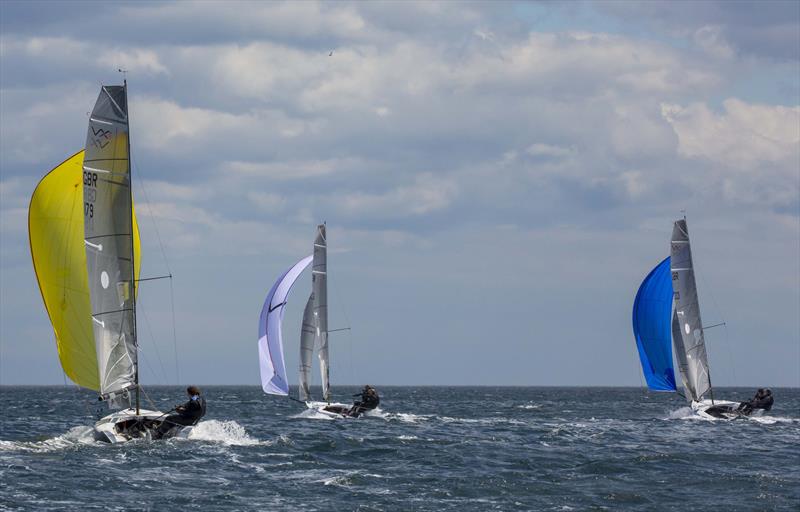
127,424
85,249
313,336
666,314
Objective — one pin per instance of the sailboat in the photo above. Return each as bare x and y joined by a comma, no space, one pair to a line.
666,313
313,335
85,248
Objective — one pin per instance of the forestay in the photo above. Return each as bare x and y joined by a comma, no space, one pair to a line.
109,240
651,328
270,340
686,323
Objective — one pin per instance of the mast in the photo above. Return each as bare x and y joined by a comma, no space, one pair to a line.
133,261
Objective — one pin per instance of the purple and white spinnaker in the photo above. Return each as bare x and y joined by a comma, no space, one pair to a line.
270,342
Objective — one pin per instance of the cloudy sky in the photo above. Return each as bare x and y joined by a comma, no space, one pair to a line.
497,179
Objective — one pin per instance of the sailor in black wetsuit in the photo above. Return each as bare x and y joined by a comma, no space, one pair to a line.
369,400
762,400
188,413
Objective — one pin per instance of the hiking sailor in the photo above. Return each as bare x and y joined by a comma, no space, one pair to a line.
762,400
187,414
369,400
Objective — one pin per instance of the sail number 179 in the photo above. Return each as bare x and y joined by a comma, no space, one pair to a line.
89,192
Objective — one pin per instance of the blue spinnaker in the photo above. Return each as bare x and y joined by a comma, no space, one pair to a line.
652,314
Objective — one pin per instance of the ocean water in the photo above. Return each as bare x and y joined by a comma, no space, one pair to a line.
428,448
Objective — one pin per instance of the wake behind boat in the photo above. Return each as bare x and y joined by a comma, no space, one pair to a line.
666,312
313,336
86,255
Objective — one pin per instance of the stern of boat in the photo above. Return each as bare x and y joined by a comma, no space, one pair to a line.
717,409
124,425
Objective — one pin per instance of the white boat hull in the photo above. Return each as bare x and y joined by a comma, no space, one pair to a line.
721,409
124,425
320,407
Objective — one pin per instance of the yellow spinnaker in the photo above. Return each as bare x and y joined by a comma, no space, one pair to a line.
55,230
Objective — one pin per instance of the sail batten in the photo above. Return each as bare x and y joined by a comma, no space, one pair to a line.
270,342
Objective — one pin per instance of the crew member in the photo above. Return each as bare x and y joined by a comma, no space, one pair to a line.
369,400
762,400
187,414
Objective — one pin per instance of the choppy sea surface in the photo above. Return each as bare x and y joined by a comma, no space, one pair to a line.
428,448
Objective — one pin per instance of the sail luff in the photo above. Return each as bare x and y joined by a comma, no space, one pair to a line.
690,338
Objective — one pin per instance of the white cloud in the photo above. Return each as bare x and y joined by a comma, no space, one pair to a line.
267,201
136,61
548,151
427,194
295,169
712,40
162,124
742,137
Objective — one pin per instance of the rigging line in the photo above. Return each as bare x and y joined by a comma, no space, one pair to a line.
153,338
146,362
150,400
723,323
166,263
174,332
150,213
349,334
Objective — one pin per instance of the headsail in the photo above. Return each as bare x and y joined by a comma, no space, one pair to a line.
319,284
651,328
109,241
55,230
270,341
690,340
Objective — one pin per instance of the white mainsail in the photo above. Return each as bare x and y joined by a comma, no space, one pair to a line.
319,284
308,334
687,327
270,341
314,332
109,240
